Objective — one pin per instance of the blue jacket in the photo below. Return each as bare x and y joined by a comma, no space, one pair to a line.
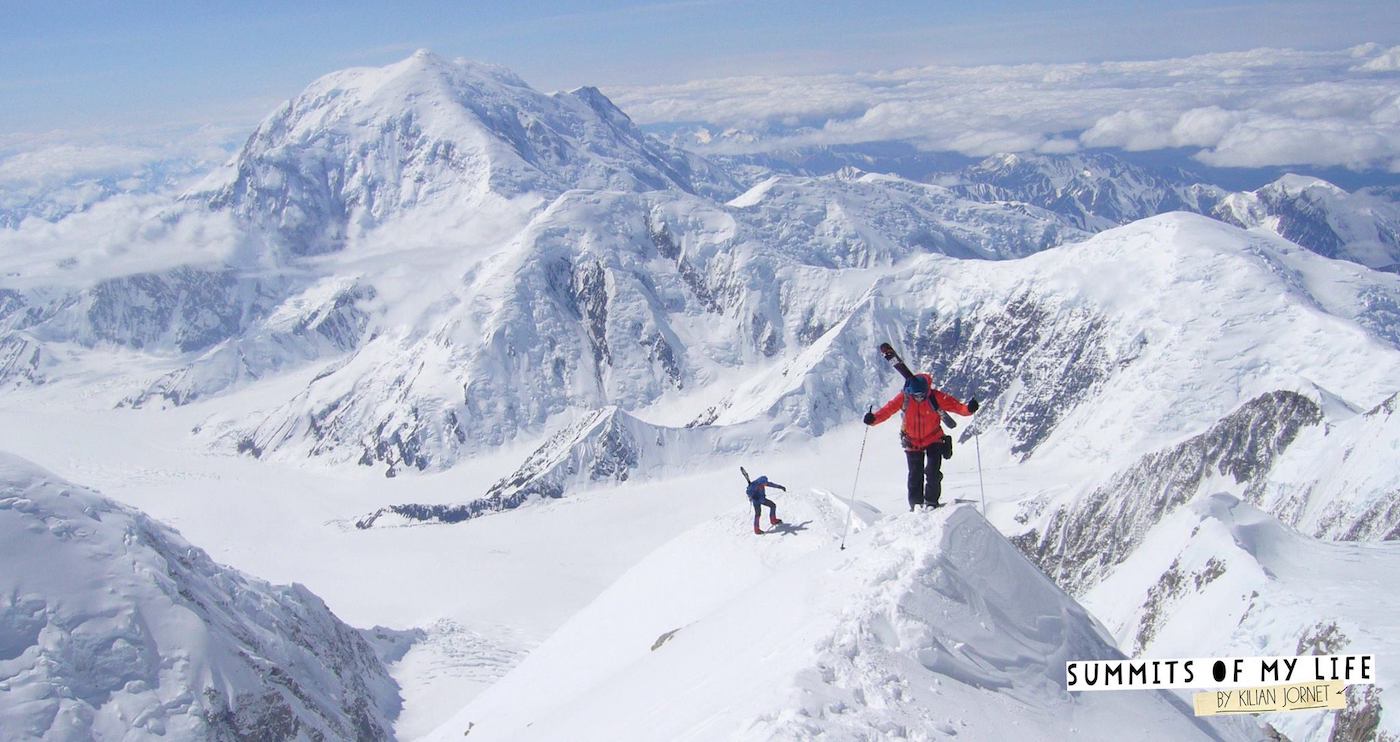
755,488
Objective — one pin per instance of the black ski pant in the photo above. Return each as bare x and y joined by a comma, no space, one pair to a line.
925,475
758,508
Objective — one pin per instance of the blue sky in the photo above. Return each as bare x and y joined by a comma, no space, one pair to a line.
86,65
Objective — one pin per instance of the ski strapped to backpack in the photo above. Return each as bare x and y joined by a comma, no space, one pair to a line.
894,360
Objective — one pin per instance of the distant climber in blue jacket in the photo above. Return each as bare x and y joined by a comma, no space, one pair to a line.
758,498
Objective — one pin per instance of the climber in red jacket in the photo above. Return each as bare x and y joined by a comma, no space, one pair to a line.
925,443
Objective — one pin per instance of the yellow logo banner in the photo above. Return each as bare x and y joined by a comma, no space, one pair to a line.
1296,697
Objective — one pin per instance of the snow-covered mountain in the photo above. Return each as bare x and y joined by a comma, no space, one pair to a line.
1071,348
326,319
1361,227
613,298
1095,191
928,625
112,626
1338,481
360,146
608,446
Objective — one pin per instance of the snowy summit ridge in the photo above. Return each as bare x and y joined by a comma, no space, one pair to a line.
928,624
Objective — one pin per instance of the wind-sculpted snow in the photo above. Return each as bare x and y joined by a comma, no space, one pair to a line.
1080,542
361,145
113,627
1219,577
928,625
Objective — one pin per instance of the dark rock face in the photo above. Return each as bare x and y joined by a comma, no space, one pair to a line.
187,308
1057,356
20,360
1078,545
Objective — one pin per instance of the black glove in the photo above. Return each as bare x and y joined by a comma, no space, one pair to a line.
947,446
869,418
972,405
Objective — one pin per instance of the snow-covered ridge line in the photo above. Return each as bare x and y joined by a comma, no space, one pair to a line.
607,446
926,623
112,625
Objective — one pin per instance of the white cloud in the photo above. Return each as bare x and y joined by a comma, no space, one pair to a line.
120,236
1258,107
64,162
47,159
1389,61
1268,140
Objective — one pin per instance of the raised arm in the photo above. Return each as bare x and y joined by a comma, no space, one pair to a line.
950,403
889,409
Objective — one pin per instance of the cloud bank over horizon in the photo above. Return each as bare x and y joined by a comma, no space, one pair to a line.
1250,109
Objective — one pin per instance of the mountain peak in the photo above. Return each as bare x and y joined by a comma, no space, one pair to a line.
428,61
1293,184
363,145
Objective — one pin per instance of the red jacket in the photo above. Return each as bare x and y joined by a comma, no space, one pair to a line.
922,427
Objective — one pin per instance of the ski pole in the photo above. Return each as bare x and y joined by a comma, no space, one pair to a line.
977,440
850,506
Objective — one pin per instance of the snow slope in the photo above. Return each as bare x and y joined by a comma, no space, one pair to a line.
112,626
1339,481
1223,577
926,626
